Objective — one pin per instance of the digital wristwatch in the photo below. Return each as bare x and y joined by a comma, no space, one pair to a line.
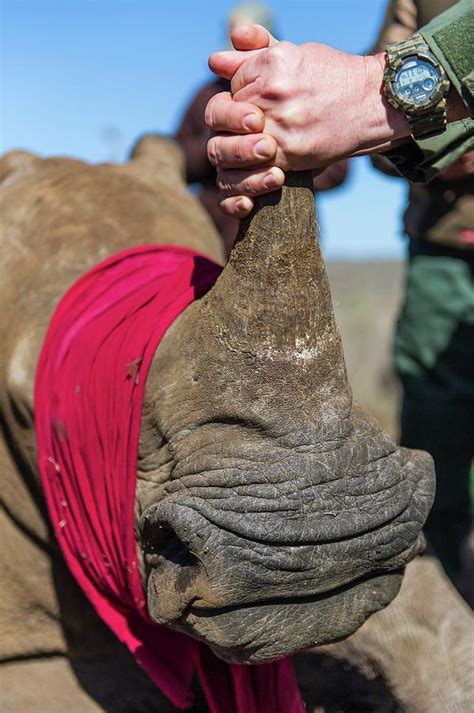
416,83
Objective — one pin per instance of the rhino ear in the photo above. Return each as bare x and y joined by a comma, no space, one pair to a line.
273,295
14,161
161,155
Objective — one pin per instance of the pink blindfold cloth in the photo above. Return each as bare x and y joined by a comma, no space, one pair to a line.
89,391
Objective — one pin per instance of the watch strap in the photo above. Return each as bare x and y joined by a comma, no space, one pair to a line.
415,44
429,124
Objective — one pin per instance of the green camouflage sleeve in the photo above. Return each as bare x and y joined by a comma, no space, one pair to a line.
449,37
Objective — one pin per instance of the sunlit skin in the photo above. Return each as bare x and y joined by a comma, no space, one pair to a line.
292,108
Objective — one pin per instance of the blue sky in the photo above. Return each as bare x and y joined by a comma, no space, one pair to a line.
84,78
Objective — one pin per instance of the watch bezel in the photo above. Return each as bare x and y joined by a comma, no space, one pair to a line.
408,107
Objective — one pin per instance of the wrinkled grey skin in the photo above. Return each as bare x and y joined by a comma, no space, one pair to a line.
275,514
271,513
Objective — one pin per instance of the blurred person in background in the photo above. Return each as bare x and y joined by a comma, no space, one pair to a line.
193,133
434,339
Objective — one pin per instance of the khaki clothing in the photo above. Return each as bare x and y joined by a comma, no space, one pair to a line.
441,212
449,37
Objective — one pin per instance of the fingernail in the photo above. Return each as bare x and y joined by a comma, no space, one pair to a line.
251,122
270,181
263,149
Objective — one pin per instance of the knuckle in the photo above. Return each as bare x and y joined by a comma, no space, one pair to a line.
240,152
252,187
223,183
275,88
212,151
279,115
214,109
289,116
225,205
209,114
273,85
287,145
279,52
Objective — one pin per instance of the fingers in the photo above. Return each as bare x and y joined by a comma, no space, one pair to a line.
239,187
241,151
250,183
251,37
264,65
225,64
236,206
223,114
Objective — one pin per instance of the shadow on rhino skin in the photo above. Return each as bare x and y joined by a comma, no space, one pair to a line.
103,667
331,686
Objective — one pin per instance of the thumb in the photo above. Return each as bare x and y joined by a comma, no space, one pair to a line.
251,37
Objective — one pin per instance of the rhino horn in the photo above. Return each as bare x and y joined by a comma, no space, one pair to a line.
281,303
270,319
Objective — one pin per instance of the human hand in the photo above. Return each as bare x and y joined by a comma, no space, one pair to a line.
315,104
251,118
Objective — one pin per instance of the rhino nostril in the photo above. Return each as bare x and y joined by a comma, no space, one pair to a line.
160,542
173,570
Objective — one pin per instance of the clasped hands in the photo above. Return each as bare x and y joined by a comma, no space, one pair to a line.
291,107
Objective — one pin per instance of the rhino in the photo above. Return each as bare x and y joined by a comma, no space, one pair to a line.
285,509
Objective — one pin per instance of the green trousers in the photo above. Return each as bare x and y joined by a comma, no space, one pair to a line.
434,357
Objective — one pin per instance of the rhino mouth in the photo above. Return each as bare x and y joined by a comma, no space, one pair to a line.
260,632
197,609
263,569
260,548
263,603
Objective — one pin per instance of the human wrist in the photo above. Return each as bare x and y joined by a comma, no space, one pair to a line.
383,124
387,126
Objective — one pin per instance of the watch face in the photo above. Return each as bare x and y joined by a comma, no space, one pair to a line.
416,81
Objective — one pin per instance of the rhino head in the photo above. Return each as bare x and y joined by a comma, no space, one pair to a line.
272,514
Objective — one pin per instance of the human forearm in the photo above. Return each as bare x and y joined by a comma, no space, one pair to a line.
385,126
